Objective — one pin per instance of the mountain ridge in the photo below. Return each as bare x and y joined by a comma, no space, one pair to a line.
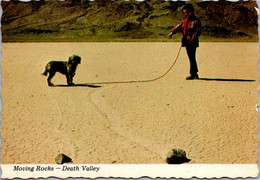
106,20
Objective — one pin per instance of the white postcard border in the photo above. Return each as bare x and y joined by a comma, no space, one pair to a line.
26,171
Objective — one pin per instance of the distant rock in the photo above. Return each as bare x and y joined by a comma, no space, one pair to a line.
62,158
176,156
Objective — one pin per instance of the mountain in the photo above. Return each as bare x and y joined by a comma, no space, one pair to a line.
121,20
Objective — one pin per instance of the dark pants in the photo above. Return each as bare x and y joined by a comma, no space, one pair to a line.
191,51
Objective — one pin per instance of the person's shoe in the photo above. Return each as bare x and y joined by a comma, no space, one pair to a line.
192,77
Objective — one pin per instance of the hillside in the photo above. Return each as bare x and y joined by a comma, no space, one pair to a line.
106,20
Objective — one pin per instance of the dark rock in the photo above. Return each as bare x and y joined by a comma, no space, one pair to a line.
62,158
176,156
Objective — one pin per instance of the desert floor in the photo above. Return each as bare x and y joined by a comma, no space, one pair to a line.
214,119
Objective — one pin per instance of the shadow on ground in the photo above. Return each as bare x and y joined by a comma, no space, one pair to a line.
81,85
220,79
97,86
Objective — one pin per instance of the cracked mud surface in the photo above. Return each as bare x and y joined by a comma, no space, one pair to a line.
214,120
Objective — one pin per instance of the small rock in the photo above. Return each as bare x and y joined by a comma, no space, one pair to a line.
62,158
176,156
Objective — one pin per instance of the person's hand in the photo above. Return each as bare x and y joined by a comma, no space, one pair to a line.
170,35
191,39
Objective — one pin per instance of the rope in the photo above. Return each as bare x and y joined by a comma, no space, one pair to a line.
146,80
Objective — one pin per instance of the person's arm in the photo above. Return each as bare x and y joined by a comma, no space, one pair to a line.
197,33
176,29
197,25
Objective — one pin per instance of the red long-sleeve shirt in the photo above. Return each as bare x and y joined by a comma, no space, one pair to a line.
190,28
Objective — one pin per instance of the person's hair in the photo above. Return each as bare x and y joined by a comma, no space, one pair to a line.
189,7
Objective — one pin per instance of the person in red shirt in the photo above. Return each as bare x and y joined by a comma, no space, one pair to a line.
191,30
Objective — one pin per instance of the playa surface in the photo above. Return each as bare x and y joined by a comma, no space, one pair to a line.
213,119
